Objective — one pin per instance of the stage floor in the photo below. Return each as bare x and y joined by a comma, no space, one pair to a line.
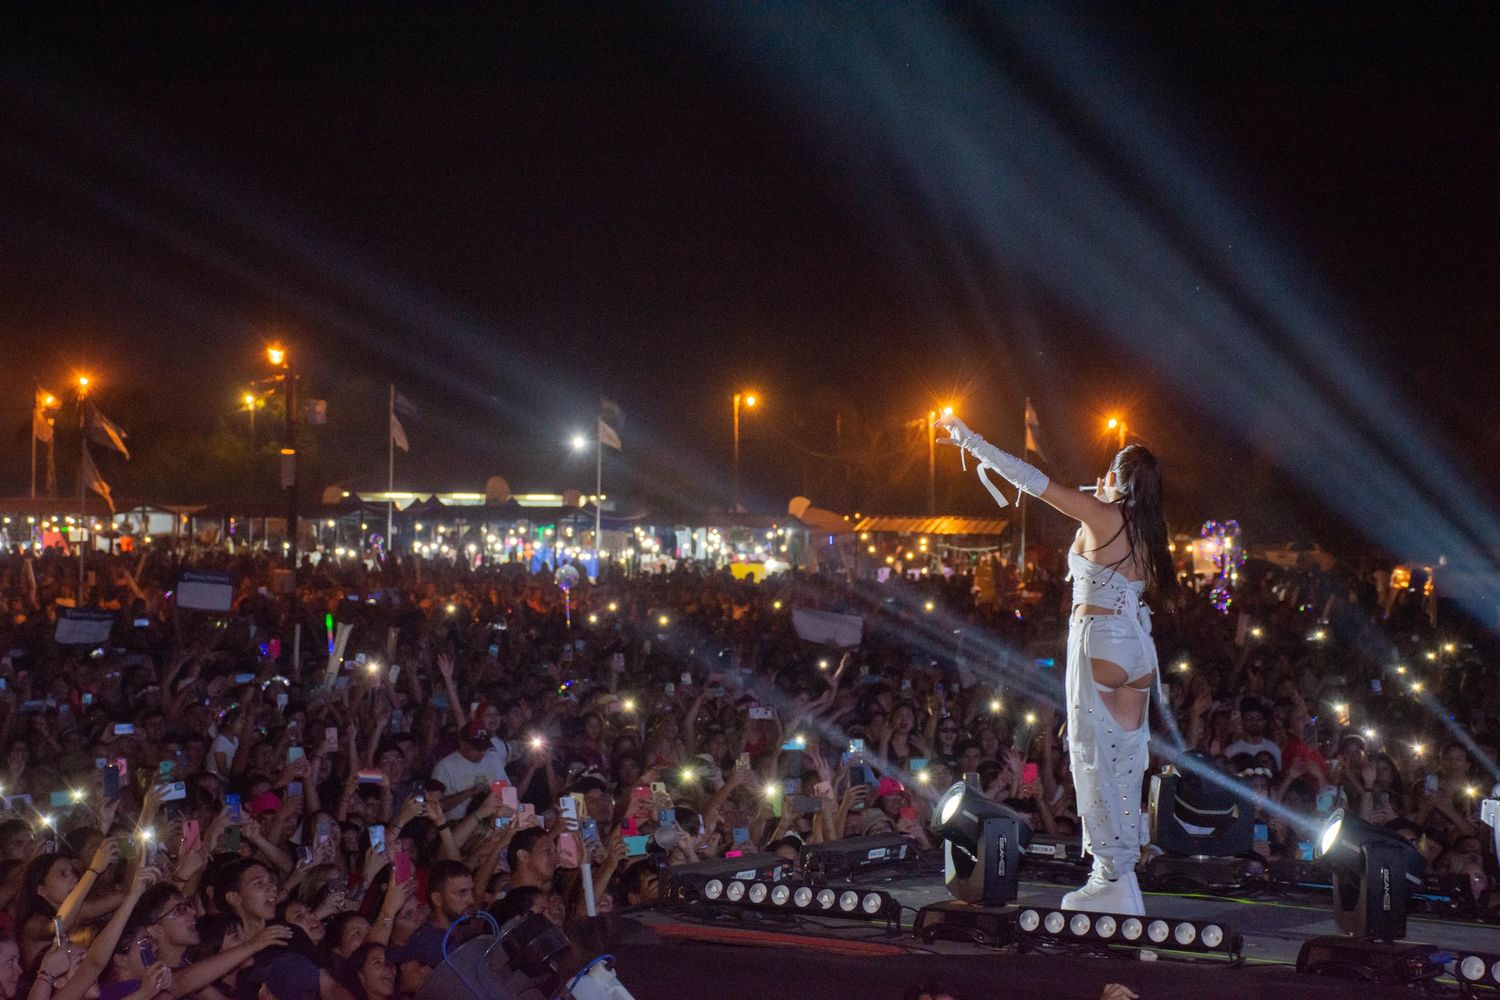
731,952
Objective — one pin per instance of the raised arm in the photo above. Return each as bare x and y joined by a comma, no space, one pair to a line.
1082,507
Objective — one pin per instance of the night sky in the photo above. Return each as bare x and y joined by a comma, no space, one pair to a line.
507,210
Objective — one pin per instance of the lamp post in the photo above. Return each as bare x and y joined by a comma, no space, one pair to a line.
282,358
83,463
932,416
749,400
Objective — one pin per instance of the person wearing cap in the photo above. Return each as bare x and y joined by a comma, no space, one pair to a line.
476,764
885,817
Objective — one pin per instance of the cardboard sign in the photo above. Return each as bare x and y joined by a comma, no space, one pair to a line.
202,591
828,628
83,628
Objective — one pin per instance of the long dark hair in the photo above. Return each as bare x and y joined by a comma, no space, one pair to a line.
1138,480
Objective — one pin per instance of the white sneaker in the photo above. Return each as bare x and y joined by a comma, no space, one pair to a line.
1101,895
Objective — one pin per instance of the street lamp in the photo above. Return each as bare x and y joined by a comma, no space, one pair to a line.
83,463
749,400
932,416
249,399
280,358
579,442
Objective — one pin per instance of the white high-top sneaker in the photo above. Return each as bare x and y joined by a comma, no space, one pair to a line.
1102,895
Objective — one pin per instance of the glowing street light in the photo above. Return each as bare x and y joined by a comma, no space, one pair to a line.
276,354
579,442
749,401
1117,426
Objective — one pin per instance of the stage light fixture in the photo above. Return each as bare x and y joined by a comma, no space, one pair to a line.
1203,827
735,891
711,879
982,846
758,893
840,857
1374,874
851,901
983,842
1113,929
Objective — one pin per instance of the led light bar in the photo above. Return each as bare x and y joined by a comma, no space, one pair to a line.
1472,968
848,901
1075,926
707,879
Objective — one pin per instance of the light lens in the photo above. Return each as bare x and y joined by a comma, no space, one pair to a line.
949,808
759,892
1079,925
803,897
849,901
736,892
1029,920
1054,923
781,894
1131,929
826,899
1472,968
1185,933
1157,931
872,903
713,889
1212,936
1105,927
1331,833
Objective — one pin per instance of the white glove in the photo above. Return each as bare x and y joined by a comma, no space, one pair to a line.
1026,477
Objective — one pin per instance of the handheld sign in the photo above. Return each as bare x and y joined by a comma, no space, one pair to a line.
77,627
205,591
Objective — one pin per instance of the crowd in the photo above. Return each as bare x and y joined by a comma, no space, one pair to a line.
235,804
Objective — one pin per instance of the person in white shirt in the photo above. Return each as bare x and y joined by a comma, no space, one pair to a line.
476,764
1253,733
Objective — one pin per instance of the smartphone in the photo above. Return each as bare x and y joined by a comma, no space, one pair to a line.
62,800
686,678
908,812
232,839
591,835
635,847
57,932
511,797
742,762
142,623
122,766
281,701
244,678
124,729
331,738
1375,685
294,753
88,696
232,809
111,783
420,796
742,835
666,817
658,788
190,835
498,788
760,713
916,763
294,788
377,838
1262,833
1325,800
174,791
402,868
1029,773
164,769
856,746
325,831
1431,783
802,804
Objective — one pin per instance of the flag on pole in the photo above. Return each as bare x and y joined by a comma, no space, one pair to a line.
106,432
607,436
406,408
90,474
398,433
610,413
1033,430
41,428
